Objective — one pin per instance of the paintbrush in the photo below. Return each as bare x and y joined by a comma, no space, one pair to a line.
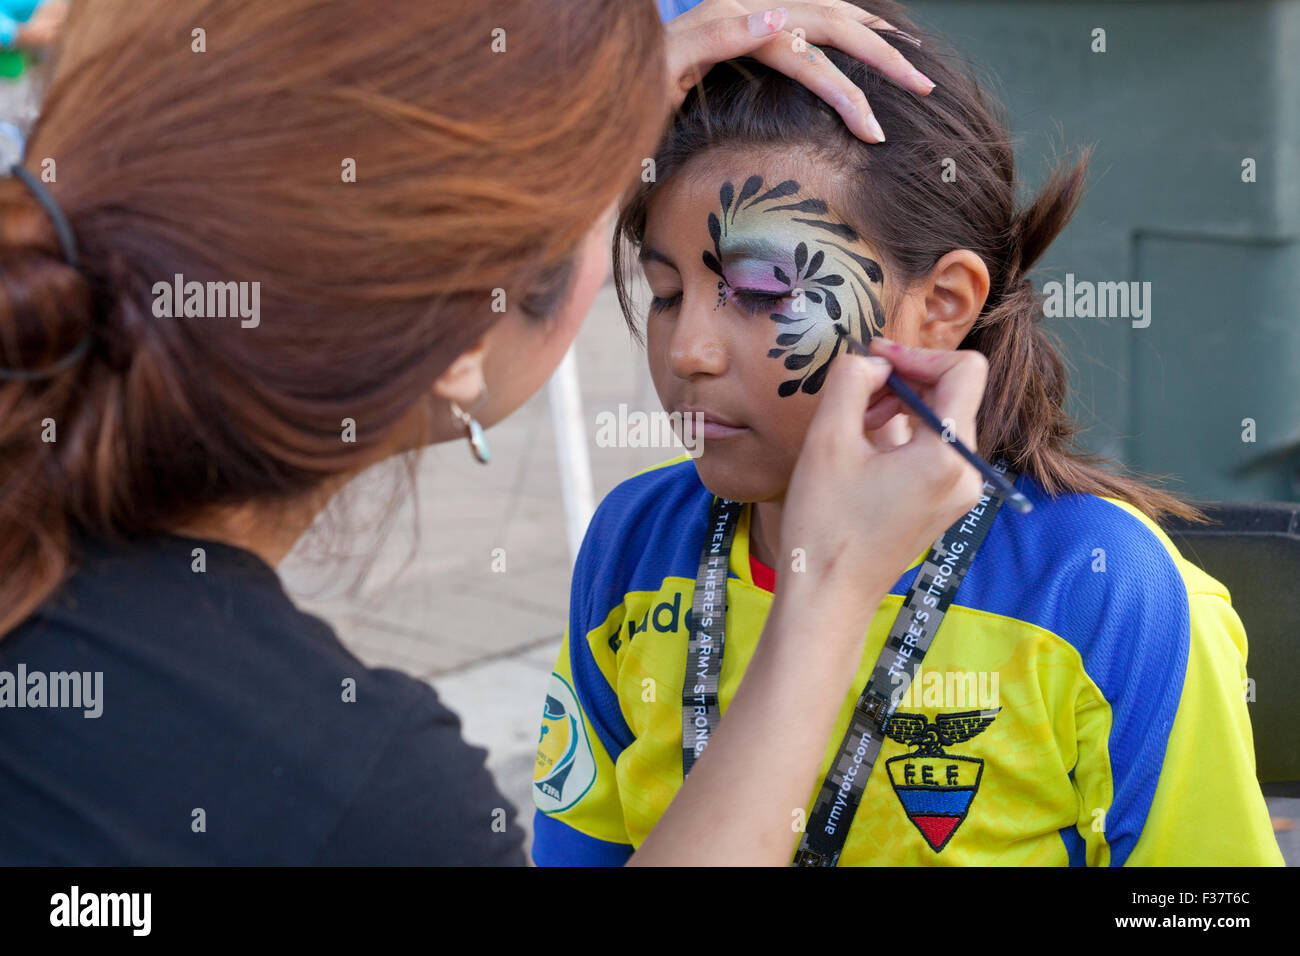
913,401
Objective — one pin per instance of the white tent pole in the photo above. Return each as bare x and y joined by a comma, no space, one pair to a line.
571,451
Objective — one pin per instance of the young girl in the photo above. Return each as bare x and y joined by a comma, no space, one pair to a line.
1052,688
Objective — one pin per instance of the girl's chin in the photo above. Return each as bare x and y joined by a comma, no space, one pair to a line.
735,478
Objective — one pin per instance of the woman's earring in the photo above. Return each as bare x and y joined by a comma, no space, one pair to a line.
474,432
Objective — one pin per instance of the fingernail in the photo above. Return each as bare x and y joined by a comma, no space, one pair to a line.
769,21
925,80
874,128
878,361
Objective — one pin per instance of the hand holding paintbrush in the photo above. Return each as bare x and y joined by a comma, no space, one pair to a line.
913,401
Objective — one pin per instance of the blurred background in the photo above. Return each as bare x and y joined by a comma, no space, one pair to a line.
1193,109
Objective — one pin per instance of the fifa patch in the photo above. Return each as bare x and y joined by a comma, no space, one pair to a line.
566,766
935,787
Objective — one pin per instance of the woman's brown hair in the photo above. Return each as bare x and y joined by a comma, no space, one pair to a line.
210,140
895,196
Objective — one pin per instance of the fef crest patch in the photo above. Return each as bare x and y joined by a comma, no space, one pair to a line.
936,787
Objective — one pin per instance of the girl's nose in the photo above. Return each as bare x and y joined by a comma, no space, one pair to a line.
698,343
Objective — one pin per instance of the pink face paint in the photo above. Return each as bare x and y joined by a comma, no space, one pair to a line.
754,276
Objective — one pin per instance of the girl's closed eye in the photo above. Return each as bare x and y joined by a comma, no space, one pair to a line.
756,302
659,303
749,300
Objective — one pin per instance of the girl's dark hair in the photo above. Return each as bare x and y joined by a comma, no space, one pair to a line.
466,122
896,196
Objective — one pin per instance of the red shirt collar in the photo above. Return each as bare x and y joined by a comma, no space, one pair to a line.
763,576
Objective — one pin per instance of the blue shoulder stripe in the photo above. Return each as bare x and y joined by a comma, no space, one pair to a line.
650,527
1130,624
598,700
558,844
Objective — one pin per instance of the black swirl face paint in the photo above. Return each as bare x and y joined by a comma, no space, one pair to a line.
782,254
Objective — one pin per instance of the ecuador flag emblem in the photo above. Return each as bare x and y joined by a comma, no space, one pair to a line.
935,787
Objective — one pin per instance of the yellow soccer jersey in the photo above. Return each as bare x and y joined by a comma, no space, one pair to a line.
1114,668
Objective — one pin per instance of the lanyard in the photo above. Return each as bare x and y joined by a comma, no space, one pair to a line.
909,639
708,633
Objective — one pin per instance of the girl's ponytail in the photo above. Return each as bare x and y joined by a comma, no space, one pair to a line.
1029,424
1025,426
1038,224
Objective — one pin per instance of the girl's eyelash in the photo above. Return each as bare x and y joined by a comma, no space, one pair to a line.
751,302
658,303
755,302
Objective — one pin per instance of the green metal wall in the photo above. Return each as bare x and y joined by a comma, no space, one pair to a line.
1184,92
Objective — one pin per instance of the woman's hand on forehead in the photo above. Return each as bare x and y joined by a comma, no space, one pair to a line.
785,38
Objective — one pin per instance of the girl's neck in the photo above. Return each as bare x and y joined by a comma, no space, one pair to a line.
765,531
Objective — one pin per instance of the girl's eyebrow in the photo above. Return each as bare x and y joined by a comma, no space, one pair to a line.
749,248
754,248
654,255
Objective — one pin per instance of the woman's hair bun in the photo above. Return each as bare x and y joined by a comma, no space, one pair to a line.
45,303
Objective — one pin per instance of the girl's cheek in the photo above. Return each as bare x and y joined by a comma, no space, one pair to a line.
655,346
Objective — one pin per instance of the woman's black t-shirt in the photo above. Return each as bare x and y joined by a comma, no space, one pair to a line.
203,719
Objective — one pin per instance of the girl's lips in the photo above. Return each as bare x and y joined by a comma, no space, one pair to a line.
710,427
713,430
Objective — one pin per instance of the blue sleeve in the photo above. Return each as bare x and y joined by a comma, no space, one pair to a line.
557,844
672,8
579,815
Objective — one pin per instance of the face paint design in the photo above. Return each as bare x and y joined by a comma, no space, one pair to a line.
775,251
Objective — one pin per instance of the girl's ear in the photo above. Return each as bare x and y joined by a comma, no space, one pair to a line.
953,295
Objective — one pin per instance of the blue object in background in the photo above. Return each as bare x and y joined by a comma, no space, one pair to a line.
11,134
671,8
13,14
